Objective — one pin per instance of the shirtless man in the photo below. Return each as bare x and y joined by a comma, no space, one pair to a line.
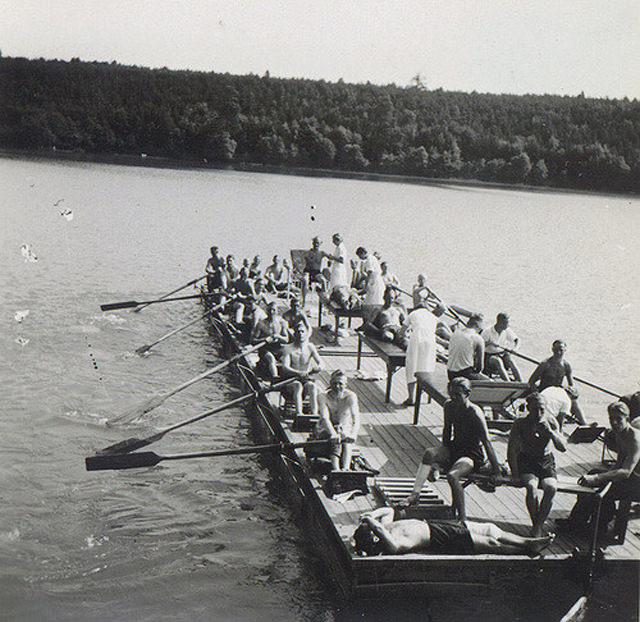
464,435
340,420
293,315
299,359
378,533
386,325
496,339
215,270
254,269
276,328
625,474
531,460
390,280
420,291
466,351
312,268
552,373
276,275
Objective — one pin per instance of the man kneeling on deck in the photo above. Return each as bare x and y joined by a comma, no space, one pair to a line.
531,460
299,359
378,533
463,437
340,420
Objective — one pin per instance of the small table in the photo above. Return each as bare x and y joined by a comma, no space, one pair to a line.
390,353
338,312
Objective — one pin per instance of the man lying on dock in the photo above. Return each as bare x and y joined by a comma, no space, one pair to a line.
386,324
552,372
299,360
340,420
531,459
464,435
378,533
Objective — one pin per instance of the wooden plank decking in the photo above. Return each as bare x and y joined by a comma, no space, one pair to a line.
393,444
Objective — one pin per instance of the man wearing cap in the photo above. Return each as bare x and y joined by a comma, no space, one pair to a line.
531,460
464,436
340,420
496,339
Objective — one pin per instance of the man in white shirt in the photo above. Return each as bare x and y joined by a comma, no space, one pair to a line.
466,351
496,339
374,285
338,275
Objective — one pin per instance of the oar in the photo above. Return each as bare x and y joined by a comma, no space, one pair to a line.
582,380
175,291
155,400
134,303
131,444
141,350
149,458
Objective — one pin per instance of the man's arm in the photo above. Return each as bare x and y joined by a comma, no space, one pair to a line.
390,543
325,415
286,364
314,356
624,470
478,354
484,439
355,416
513,449
568,372
536,375
557,438
446,429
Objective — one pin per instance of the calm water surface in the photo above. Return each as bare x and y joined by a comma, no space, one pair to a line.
201,540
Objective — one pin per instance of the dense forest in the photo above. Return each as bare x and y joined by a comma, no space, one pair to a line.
573,142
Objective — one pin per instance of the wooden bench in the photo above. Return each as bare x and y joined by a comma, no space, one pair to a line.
434,384
390,353
337,311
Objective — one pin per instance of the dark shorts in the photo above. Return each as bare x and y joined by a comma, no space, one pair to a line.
467,372
475,454
449,537
313,274
540,466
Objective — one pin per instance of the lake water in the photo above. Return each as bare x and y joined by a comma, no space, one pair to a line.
211,539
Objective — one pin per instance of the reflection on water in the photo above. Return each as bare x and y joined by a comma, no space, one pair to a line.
212,539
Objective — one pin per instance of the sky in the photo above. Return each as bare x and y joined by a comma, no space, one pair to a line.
564,47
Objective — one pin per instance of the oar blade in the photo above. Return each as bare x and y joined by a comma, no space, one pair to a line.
112,306
121,461
131,444
135,413
143,349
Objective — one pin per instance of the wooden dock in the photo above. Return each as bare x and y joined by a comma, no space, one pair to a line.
393,444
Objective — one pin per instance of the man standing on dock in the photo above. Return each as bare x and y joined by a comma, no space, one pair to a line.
338,276
531,460
464,435
340,419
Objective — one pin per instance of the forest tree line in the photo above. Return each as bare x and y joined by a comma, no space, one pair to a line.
573,142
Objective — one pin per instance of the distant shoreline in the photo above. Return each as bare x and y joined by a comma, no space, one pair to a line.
162,162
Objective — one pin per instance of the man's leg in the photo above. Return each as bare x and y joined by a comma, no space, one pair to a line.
512,367
427,469
531,485
345,458
549,486
463,466
494,364
489,538
311,391
296,390
576,412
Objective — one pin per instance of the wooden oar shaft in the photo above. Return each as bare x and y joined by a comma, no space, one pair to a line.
149,458
175,291
576,378
127,304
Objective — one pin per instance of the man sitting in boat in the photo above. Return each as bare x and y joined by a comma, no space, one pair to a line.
231,268
389,279
294,315
340,420
387,323
466,351
552,372
530,456
254,269
420,291
247,317
464,435
276,276
496,359
380,532
625,475
269,355
299,360
215,270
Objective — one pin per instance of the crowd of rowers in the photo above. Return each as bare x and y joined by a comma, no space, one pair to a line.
246,293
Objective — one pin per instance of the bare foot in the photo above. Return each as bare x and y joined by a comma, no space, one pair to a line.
434,475
537,545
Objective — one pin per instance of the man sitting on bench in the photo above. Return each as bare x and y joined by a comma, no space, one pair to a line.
378,533
464,435
340,420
